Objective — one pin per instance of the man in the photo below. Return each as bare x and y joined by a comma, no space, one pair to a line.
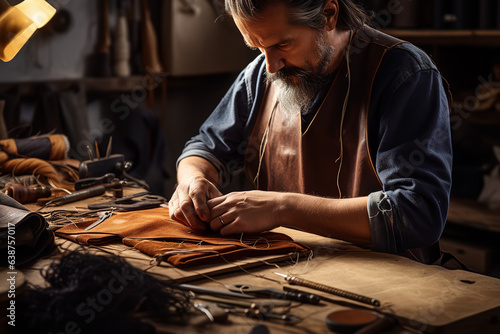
344,131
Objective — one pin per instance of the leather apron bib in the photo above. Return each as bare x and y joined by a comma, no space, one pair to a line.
311,163
317,162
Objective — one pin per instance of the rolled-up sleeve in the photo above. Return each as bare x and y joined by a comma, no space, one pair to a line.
222,139
413,161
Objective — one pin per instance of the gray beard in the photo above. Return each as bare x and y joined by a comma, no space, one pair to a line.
297,88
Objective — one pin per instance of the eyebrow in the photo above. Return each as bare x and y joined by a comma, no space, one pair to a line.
283,41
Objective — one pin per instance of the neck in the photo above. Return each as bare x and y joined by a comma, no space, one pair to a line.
339,39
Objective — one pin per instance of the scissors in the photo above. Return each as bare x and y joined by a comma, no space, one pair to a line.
302,297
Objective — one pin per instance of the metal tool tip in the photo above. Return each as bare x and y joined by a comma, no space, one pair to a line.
282,275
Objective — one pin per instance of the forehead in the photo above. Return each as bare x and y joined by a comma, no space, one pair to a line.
271,27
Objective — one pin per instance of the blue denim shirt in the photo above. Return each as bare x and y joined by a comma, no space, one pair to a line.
409,138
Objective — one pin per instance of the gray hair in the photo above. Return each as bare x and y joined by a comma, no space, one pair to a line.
302,12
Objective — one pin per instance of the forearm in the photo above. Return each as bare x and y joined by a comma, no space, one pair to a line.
193,167
345,219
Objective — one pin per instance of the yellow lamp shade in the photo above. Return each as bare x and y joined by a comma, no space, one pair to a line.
18,24
39,11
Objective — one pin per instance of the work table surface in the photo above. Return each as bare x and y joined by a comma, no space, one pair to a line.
423,298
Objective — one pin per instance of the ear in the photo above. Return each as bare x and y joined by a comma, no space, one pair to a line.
331,11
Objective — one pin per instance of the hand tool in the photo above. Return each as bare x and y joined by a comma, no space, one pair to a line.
262,305
129,204
102,217
94,181
199,289
77,196
213,312
289,319
24,194
334,291
108,148
275,293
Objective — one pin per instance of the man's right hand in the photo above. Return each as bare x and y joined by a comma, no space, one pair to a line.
188,204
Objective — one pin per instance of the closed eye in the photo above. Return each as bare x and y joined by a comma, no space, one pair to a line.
283,45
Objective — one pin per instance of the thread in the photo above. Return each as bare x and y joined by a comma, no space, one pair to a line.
263,145
344,108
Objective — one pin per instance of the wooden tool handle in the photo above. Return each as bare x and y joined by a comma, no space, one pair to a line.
333,291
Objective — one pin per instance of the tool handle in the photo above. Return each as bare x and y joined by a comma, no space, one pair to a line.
77,196
333,291
94,181
301,296
24,194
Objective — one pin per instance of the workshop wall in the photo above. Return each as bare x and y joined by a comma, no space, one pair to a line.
148,126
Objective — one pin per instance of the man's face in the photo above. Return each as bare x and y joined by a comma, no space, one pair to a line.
298,58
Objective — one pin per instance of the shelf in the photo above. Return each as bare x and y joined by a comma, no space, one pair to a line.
485,38
113,84
92,85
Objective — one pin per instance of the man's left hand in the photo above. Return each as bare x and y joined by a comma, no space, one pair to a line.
250,212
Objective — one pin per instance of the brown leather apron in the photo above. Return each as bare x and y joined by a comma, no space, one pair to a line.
311,162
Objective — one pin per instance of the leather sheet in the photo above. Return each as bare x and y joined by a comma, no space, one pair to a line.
153,233
24,235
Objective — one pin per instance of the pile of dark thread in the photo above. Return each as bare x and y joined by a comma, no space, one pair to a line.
97,294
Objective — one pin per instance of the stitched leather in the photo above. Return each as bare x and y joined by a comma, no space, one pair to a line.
153,233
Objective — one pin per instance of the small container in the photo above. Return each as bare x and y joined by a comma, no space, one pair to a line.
349,321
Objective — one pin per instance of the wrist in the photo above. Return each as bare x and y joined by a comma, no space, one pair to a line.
284,209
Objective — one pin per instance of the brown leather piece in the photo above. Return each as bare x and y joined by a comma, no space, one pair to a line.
153,233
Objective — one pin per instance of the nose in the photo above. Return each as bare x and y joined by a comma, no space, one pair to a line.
274,61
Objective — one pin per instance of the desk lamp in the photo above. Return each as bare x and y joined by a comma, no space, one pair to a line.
19,22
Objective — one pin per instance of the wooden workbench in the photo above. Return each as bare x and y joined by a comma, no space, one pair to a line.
422,297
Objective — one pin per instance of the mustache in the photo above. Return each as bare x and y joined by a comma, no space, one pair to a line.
290,75
298,78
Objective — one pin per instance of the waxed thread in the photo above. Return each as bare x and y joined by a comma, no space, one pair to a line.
344,107
263,145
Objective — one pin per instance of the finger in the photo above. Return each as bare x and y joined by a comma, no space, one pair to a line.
176,213
214,192
214,202
231,229
173,204
220,221
199,199
179,217
187,207
190,216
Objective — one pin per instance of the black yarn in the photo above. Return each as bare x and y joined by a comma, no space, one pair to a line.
97,294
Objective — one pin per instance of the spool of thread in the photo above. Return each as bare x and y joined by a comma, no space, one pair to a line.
121,44
27,194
